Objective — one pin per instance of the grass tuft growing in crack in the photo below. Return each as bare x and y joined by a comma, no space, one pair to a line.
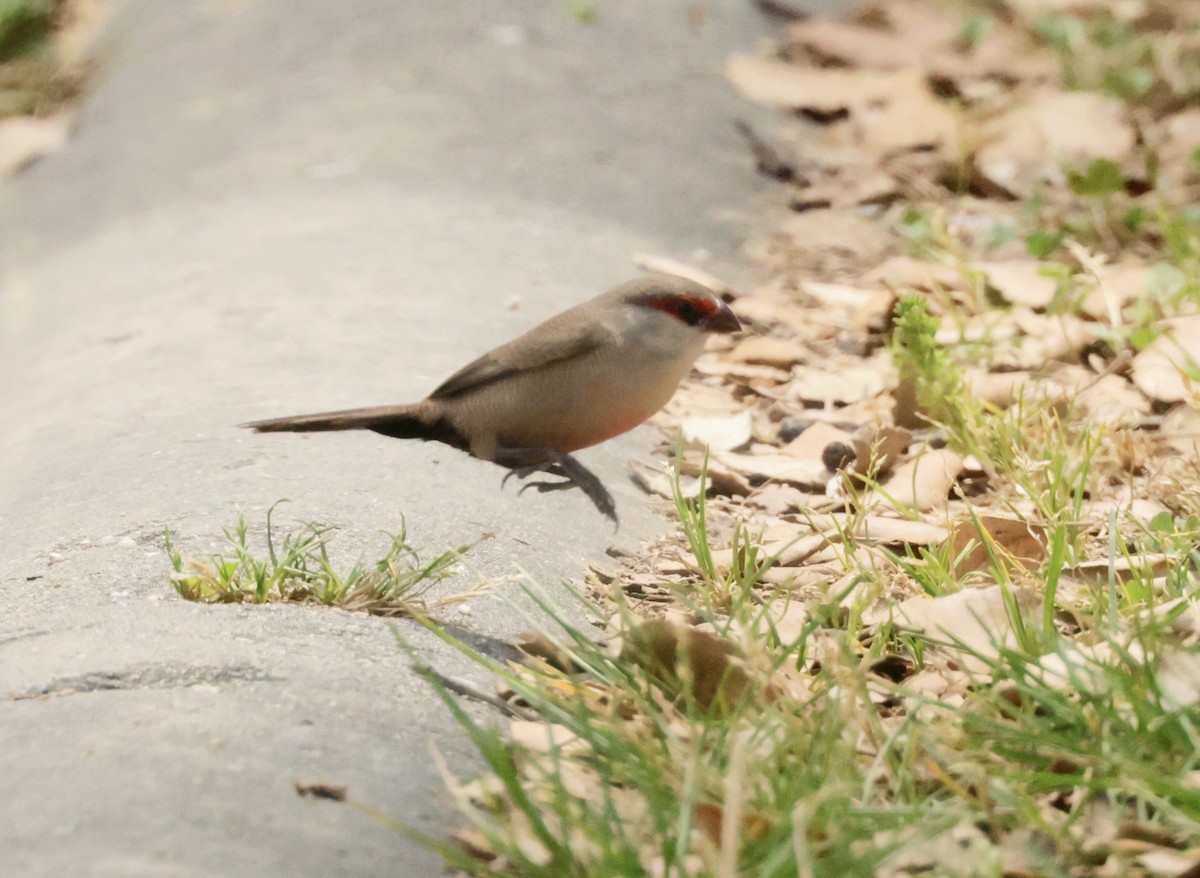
298,569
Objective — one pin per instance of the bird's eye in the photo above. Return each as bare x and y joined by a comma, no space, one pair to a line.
689,313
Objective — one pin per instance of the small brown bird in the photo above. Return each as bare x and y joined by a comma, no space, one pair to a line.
584,376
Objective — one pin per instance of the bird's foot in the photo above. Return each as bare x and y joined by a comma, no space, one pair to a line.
525,462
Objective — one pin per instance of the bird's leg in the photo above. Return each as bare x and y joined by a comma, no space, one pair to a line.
524,462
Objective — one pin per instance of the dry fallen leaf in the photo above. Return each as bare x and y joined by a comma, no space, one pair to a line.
776,467
1115,287
543,737
1018,542
1167,370
656,480
1027,146
911,119
856,45
780,553
1181,429
788,87
766,350
976,620
710,817
718,432
812,442
683,659
905,272
1021,283
879,448
849,384
878,529
999,388
923,482
832,243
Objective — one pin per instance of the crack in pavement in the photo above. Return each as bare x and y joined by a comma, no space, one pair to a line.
163,676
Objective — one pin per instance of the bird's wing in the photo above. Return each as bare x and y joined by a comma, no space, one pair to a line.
557,340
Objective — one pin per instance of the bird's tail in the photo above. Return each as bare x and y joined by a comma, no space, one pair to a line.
399,422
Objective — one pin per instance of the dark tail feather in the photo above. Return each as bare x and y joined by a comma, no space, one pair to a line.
398,422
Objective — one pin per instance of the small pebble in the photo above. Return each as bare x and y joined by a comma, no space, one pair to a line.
837,455
127,543
56,557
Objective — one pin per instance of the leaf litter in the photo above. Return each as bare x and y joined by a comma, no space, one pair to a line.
944,488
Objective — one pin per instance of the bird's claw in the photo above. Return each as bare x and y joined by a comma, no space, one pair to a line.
573,474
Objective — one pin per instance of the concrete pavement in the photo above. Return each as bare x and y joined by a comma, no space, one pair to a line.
272,207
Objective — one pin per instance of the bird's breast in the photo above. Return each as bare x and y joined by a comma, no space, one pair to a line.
570,405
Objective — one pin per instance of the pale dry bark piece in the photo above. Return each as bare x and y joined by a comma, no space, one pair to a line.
1021,283
1167,862
475,843
718,432
843,386
923,482
1179,679
789,618
542,737
745,373
912,118
851,185
1121,569
958,850
927,683
839,295
1165,371
1045,337
776,467
776,499
811,444
879,529
1084,667
856,45
834,241
780,553
767,309
905,272
975,619
1111,399
1181,429
788,87
656,480
1115,287
1176,139
998,388
766,350
1027,146
24,140
813,579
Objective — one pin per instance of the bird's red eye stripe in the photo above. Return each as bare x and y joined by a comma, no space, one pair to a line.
685,307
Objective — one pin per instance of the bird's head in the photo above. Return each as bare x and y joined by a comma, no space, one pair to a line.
691,304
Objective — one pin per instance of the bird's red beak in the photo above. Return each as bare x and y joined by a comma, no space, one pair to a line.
721,321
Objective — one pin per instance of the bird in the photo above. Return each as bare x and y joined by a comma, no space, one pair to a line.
584,376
